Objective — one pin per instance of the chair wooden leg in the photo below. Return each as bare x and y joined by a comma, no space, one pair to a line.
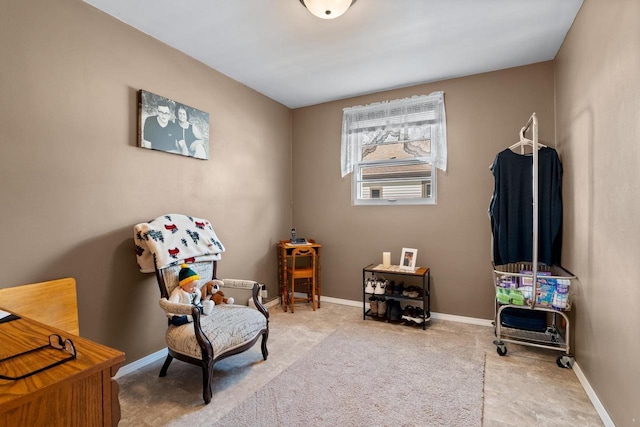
207,380
265,352
167,362
313,294
285,289
293,294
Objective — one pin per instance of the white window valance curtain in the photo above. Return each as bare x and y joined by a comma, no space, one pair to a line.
402,120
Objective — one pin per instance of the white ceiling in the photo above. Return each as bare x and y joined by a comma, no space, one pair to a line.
282,51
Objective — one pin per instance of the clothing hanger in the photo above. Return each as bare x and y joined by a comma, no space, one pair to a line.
524,142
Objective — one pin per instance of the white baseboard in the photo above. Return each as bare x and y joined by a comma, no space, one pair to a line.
140,363
342,301
440,316
272,303
604,416
462,319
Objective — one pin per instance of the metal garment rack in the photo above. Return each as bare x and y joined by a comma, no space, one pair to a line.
533,121
551,338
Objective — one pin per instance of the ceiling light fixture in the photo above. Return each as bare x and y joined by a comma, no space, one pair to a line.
327,9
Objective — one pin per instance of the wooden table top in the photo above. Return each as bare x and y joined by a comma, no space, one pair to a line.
24,334
395,269
286,244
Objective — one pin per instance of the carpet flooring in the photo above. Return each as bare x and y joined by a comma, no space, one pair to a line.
365,376
523,388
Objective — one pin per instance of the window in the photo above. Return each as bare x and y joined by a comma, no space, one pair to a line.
393,149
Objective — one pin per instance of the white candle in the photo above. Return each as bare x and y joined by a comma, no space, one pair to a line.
386,259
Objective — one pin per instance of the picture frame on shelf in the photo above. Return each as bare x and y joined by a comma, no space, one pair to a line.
408,259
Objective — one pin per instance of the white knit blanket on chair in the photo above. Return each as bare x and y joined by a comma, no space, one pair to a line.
174,239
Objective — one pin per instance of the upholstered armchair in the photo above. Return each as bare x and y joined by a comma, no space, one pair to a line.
229,329
162,245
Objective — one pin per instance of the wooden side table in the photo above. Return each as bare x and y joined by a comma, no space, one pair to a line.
80,392
284,255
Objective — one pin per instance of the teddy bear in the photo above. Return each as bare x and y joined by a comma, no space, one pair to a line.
211,290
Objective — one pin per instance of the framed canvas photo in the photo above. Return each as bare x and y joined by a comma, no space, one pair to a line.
167,125
408,259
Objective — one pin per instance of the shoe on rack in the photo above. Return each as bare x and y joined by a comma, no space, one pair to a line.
390,303
418,315
399,288
381,287
395,313
412,292
370,287
407,314
373,306
382,307
390,287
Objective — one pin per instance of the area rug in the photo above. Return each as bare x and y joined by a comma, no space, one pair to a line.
373,377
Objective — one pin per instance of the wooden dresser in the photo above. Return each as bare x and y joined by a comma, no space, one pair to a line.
80,392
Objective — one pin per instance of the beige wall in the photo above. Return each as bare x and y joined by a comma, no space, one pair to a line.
74,182
598,132
484,115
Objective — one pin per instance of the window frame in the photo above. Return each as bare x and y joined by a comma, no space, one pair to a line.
410,124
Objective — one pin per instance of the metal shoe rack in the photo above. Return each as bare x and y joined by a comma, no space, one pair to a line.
377,270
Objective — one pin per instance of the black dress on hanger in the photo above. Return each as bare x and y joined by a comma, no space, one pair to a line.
511,207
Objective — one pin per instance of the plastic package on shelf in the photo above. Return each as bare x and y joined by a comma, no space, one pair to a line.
514,285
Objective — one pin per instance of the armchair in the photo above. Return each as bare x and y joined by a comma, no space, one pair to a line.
229,329
162,245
